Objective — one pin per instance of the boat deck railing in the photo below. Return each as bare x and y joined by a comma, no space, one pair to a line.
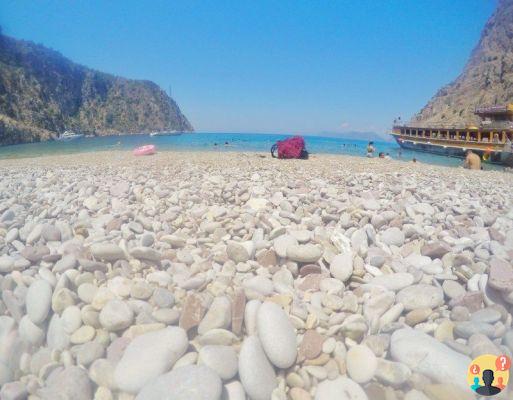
503,146
484,125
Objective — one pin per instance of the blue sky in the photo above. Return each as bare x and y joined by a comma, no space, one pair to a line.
268,66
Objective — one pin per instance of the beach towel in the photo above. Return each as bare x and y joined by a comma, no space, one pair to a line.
293,147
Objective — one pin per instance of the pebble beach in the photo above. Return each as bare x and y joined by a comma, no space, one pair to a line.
232,276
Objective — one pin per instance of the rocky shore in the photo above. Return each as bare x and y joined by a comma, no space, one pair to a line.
235,276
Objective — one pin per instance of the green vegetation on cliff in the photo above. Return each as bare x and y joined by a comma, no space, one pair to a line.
43,94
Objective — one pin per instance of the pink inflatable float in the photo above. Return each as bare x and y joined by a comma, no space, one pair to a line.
145,150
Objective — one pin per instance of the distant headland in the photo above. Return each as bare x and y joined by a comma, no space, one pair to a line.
43,94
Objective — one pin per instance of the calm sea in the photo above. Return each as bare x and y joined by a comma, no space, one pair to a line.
206,142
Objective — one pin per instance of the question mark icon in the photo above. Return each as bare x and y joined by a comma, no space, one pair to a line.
474,369
502,363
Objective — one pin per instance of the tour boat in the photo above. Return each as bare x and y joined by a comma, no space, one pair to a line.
167,133
146,150
69,135
492,140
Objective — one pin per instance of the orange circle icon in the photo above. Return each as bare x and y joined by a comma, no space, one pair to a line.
474,369
502,363
488,374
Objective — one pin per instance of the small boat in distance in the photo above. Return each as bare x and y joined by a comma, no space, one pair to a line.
166,133
69,135
492,140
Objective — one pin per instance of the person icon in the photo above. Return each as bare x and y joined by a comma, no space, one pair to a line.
476,384
500,383
488,389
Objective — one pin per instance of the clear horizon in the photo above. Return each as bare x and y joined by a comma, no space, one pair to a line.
299,67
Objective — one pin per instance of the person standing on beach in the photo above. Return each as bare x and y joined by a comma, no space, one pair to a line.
370,150
472,160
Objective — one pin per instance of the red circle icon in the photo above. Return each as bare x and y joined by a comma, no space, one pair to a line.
502,363
474,369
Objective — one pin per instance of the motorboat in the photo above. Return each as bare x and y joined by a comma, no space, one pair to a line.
166,133
69,135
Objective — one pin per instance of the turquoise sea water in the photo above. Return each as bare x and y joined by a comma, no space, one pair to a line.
206,142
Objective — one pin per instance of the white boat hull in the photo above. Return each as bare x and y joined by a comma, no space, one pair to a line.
70,137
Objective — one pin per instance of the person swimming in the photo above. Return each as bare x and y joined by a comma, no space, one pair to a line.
472,160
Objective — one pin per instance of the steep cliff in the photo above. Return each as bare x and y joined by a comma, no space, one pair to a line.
486,80
43,94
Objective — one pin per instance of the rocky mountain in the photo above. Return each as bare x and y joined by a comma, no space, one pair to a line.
43,94
486,80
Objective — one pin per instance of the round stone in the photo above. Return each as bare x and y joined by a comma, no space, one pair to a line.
141,290
237,252
30,332
393,237
341,266
258,386
466,329
70,383
148,356
86,292
66,262
116,315
392,373
6,264
38,301
71,319
107,251
427,356
341,388
488,315
281,243
218,316
453,289
61,299
420,296
188,382
361,363
304,253
221,359
395,282
277,335
83,334
56,336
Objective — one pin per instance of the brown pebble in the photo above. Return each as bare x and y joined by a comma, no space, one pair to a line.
267,258
417,316
311,345
311,282
238,304
309,269
192,312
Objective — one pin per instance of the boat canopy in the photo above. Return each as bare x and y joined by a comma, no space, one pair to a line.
494,110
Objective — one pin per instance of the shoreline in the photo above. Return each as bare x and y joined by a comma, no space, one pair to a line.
125,157
120,274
